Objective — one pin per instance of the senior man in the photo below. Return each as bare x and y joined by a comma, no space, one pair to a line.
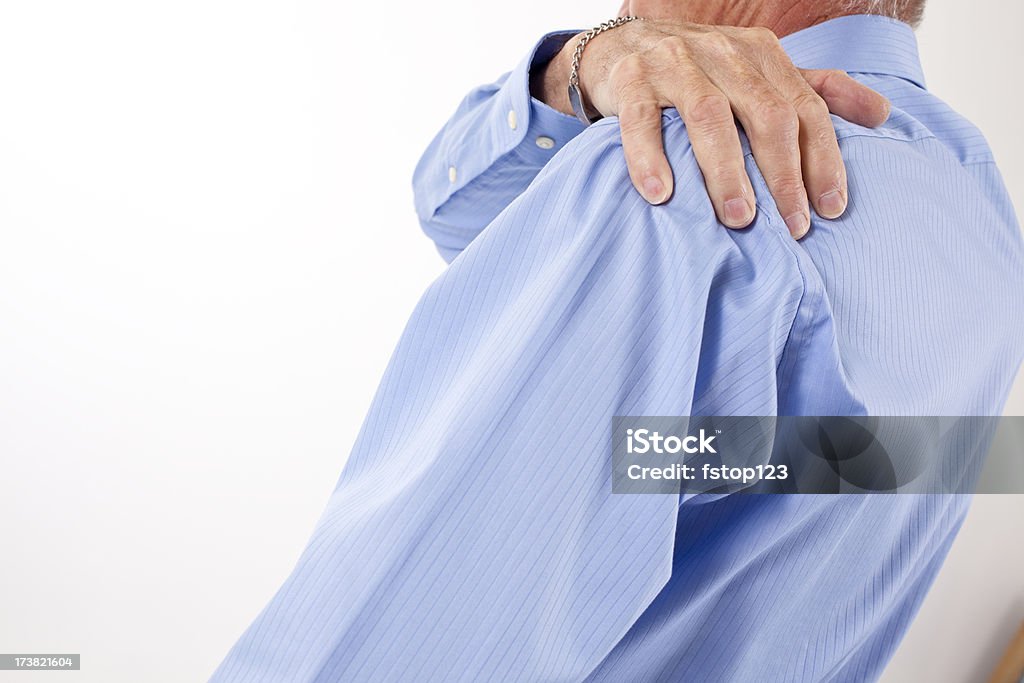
473,534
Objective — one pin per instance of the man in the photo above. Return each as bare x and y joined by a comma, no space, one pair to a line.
473,535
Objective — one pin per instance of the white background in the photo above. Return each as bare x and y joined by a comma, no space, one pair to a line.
207,253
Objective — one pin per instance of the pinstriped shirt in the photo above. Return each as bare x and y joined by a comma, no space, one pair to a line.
473,535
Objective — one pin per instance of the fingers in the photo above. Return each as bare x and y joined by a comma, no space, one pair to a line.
848,98
716,144
822,164
639,109
640,123
773,128
644,90
710,74
824,172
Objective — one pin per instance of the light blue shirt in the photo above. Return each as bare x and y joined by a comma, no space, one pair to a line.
473,535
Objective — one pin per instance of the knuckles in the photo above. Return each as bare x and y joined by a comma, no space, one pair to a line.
637,113
808,104
788,186
627,72
762,36
708,110
717,43
634,81
672,47
775,116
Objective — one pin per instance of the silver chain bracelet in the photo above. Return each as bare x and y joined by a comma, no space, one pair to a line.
575,94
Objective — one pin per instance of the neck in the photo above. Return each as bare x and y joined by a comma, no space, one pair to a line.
781,16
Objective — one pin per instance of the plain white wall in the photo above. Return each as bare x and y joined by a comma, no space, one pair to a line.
208,252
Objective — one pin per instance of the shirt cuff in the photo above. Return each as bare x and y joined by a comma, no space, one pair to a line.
545,130
510,132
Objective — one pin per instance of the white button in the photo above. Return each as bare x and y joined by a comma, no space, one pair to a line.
544,142
512,119
451,174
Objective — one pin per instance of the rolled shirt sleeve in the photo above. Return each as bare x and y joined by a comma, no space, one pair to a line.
473,535
488,153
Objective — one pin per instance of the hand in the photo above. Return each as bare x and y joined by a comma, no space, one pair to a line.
711,74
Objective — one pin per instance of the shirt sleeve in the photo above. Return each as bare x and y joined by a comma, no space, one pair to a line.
473,534
488,153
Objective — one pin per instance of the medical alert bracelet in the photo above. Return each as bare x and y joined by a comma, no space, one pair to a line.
575,94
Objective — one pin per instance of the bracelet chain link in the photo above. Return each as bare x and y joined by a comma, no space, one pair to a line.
575,94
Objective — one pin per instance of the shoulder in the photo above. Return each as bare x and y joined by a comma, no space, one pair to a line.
584,196
590,172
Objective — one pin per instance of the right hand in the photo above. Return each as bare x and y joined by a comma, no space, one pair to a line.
711,74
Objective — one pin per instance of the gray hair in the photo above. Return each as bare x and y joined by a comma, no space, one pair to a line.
909,11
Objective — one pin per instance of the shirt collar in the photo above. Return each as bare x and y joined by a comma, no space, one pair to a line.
859,43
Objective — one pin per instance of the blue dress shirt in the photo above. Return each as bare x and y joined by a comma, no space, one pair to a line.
473,535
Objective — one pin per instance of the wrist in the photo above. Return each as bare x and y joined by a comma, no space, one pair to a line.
549,83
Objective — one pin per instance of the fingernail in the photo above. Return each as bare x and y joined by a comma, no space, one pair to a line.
831,204
654,190
738,213
798,225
